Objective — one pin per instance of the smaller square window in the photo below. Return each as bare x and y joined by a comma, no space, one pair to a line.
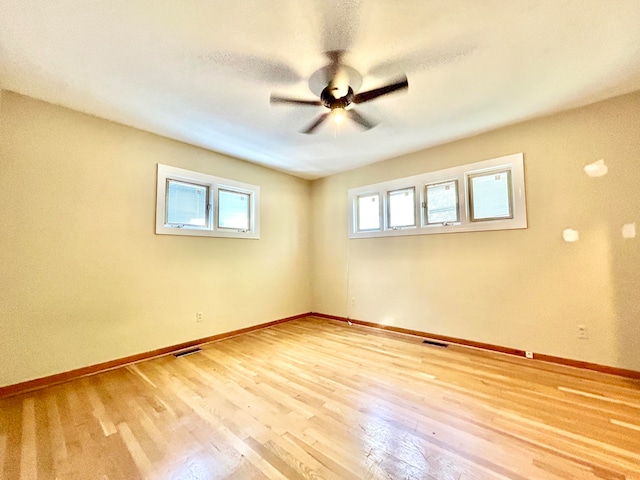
368,214
187,204
233,209
402,208
490,196
442,203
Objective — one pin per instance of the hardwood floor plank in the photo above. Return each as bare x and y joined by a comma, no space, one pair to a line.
11,416
602,398
55,430
145,468
626,425
44,450
28,451
99,412
3,452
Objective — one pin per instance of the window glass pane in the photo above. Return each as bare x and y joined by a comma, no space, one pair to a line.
402,210
490,195
369,212
233,210
442,202
186,204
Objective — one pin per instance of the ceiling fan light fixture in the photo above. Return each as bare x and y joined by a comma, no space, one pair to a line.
338,115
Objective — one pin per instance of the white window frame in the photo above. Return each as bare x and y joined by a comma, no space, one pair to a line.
357,219
426,201
226,188
166,172
514,163
469,178
192,183
388,209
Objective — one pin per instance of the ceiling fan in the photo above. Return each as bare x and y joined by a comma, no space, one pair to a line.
336,84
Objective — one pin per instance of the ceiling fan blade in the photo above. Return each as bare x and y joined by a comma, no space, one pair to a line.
316,124
275,99
377,92
361,119
254,67
423,60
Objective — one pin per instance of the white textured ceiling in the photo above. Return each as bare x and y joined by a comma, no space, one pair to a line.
202,71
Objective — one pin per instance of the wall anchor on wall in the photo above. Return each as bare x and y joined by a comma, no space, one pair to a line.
629,230
596,169
569,235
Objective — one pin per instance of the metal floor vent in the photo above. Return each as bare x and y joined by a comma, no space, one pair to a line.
435,344
186,352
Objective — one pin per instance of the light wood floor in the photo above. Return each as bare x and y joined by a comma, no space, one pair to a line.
318,399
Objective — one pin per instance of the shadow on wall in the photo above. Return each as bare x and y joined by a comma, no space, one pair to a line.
624,251
625,257
626,276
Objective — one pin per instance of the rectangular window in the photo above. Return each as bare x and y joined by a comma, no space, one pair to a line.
442,202
486,195
490,196
233,209
194,203
402,208
187,204
368,212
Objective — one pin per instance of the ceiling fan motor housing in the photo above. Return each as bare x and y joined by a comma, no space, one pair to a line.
331,102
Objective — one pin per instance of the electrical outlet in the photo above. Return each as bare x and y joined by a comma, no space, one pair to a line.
528,354
353,301
198,317
583,334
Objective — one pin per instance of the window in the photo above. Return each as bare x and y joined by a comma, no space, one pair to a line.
193,203
487,195
368,212
442,202
187,205
490,195
233,209
402,208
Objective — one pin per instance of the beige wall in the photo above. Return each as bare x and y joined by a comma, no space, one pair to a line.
84,277
525,289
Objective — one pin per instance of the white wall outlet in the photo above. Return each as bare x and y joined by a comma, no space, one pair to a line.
353,301
583,334
199,317
528,354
